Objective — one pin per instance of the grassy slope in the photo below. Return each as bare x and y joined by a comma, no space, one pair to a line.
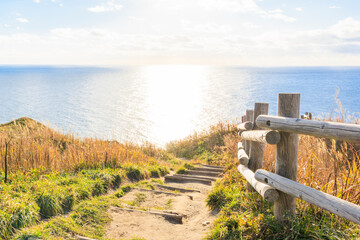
78,188
328,166
44,184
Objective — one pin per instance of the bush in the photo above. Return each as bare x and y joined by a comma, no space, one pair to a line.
163,170
119,193
116,181
189,166
181,171
134,173
49,204
154,173
82,192
98,188
68,199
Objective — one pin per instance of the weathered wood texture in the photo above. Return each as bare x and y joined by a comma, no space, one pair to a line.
176,188
249,118
245,126
183,179
243,157
270,194
200,173
195,177
287,153
210,166
209,170
256,152
263,136
338,131
330,203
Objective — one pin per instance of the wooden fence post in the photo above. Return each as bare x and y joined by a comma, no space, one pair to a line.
249,117
256,148
287,153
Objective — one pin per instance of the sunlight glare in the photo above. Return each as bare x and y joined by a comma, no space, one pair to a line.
174,98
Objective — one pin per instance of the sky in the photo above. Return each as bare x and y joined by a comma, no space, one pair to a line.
199,32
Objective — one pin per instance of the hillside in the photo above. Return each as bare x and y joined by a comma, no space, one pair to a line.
52,174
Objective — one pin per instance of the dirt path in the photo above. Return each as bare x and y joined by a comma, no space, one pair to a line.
195,223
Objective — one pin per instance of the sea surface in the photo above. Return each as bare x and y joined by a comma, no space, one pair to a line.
164,102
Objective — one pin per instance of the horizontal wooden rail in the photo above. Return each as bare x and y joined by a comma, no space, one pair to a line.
264,136
242,156
245,126
339,131
323,200
270,194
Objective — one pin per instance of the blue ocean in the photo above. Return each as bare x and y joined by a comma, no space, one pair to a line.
166,102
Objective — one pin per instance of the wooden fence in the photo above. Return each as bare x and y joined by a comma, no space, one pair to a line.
258,128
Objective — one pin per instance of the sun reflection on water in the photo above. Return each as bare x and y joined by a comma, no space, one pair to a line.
174,98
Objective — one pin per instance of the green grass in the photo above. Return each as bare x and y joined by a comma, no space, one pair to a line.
52,174
40,195
245,215
89,218
169,204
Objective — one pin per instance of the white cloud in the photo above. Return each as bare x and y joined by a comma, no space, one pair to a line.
348,28
37,1
133,18
249,25
206,28
230,5
278,14
244,6
299,9
22,20
337,44
106,7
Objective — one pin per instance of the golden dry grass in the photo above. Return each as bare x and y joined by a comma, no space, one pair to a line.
32,145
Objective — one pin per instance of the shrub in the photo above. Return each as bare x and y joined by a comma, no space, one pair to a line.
116,180
182,170
163,170
119,193
23,213
154,173
68,199
126,188
189,166
98,188
134,173
49,203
